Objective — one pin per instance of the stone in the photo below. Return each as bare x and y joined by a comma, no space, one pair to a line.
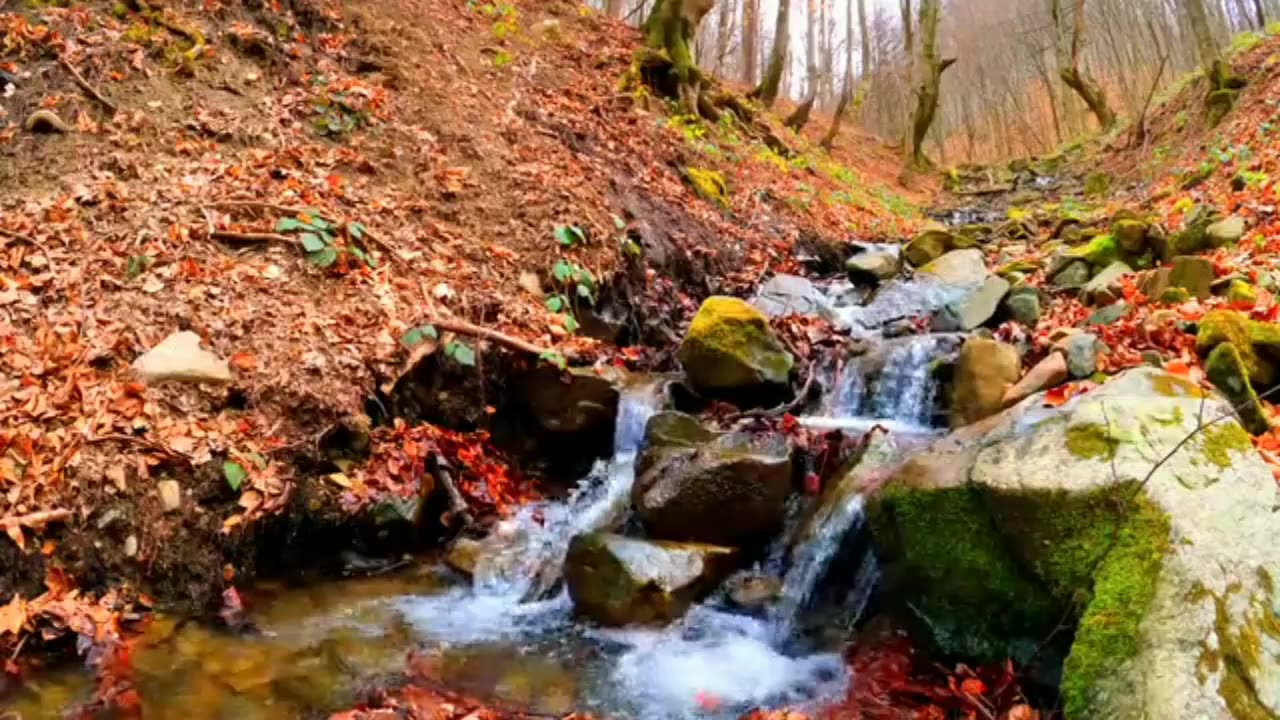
1104,288
1195,233
1194,274
1023,304
1108,314
464,554
46,121
179,358
1082,355
753,592
1225,233
871,268
617,581
170,495
693,485
784,295
1099,252
929,246
1227,372
1097,184
1130,235
1048,373
959,267
984,373
730,347
1166,573
1073,275
1152,358
1258,343
974,311
578,400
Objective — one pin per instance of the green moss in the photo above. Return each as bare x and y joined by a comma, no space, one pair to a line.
1240,651
1175,296
730,345
710,185
1241,293
1174,386
1092,441
1097,184
1100,252
1228,372
1124,585
1223,440
1131,234
1248,336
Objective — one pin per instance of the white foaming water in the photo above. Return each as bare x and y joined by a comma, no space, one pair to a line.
811,559
904,390
715,664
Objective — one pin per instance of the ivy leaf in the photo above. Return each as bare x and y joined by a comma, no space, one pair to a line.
555,303
285,225
570,324
554,358
235,474
585,292
461,353
312,242
417,336
619,223
570,235
324,258
561,271
356,230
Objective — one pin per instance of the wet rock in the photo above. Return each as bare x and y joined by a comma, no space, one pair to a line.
1104,288
1023,304
1072,275
929,246
618,581
974,311
960,267
1108,314
1048,373
784,295
870,268
573,401
729,489
464,555
1082,355
1225,233
170,495
1257,343
984,373
730,347
753,592
180,358
1226,370
1047,510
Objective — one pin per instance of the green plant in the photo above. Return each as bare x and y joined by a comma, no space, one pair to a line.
1246,41
502,59
138,264
336,114
318,238
457,351
577,284
235,474
570,235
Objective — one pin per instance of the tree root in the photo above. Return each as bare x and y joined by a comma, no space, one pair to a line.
288,211
85,86
458,511
465,328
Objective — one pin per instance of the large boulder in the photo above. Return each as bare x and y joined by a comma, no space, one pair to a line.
1257,343
695,485
975,310
616,580
986,370
730,347
572,401
1137,512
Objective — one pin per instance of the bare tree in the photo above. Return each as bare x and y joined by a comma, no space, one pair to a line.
1069,41
750,40
846,92
771,84
931,68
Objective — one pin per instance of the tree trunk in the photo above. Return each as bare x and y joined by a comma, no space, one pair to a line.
750,40
798,119
846,92
1210,56
1260,14
767,92
1069,40
670,27
932,66
615,8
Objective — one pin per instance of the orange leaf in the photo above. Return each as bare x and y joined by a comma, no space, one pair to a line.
973,686
13,616
244,361
1177,367
1057,397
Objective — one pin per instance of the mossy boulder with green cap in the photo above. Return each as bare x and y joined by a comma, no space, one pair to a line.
1257,343
730,347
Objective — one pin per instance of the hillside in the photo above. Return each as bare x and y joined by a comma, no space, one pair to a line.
306,186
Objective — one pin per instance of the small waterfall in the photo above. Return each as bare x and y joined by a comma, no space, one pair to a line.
905,389
811,559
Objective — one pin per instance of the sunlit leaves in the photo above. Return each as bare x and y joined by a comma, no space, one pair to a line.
418,335
460,353
235,474
570,235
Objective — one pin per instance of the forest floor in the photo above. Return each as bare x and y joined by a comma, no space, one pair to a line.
317,190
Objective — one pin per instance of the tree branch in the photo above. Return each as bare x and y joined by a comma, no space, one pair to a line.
85,86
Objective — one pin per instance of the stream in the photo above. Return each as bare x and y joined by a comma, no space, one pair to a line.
508,632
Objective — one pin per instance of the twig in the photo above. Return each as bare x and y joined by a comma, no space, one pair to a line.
35,519
295,211
144,442
465,328
457,504
85,86
33,243
788,408
252,237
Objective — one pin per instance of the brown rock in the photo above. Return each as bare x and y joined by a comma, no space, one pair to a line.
984,373
1048,373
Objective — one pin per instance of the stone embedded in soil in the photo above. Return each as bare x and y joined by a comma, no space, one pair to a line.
170,495
1047,509
618,581
1108,315
1023,303
726,490
1073,275
180,358
984,373
731,347
1104,288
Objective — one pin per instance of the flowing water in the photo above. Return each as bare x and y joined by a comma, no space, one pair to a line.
509,633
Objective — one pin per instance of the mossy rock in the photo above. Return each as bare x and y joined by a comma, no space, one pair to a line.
1097,185
1219,105
1257,343
1227,371
1242,294
710,185
1130,235
731,347
1101,251
930,245
1194,237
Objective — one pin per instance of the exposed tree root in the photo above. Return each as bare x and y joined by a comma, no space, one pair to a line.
465,328
85,86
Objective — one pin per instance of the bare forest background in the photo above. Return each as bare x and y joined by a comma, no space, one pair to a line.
1023,70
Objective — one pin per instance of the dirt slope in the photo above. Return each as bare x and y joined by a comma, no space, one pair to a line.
439,144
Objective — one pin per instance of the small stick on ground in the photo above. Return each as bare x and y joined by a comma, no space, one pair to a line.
35,519
465,328
251,237
85,86
295,211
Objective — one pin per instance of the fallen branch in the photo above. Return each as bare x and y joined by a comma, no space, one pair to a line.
458,509
465,328
296,211
85,86
35,519
251,237
790,408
